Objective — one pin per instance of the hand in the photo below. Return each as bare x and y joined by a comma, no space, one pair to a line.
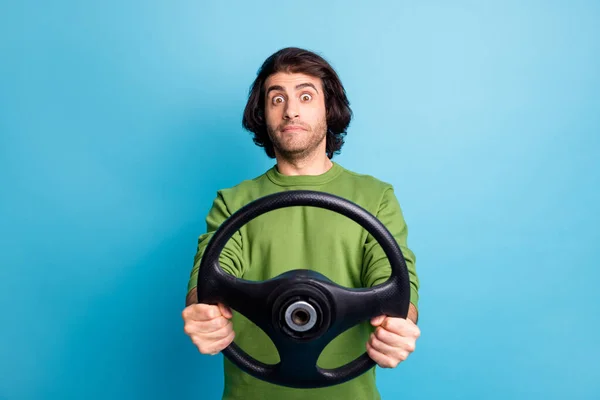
209,327
393,341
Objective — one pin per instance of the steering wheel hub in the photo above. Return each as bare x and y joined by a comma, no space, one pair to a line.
300,316
301,311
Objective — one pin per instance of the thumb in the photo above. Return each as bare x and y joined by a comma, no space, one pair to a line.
376,321
225,311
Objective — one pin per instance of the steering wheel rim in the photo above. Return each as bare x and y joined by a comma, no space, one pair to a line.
390,298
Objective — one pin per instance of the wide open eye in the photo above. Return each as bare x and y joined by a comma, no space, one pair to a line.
306,97
277,100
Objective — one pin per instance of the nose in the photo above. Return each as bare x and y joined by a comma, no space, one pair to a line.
291,110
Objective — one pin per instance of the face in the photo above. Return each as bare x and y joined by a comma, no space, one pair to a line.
295,114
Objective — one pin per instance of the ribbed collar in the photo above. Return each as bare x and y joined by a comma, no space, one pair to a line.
304,180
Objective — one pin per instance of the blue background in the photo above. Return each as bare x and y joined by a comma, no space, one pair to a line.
119,121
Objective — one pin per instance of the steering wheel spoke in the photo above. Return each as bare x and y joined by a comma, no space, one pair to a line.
357,305
245,297
299,362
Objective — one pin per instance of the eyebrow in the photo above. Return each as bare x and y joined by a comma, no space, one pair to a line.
298,87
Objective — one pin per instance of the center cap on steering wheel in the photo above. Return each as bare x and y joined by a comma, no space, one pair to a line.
301,311
300,316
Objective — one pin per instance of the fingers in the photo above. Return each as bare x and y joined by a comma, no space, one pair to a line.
399,326
402,327
208,337
381,359
225,311
376,321
200,312
213,347
212,336
400,351
206,312
384,340
193,327
387,348
219,333
223,343
389,338
209,327
384,355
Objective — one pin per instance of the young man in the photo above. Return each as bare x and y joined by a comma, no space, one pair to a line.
298,111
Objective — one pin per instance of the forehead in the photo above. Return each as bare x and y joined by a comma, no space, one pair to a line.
290,80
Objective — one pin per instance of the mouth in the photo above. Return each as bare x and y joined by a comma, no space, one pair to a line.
292,128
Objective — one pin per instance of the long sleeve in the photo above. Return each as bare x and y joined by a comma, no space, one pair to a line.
376,267
231,258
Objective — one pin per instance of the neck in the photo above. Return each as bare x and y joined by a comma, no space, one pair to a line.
316,164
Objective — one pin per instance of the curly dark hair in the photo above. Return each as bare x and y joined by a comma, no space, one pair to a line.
296,60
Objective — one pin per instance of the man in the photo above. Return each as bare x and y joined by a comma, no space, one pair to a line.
298,111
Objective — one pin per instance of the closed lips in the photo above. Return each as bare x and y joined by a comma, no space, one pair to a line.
292,128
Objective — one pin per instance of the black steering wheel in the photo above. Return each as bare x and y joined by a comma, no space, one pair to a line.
302,311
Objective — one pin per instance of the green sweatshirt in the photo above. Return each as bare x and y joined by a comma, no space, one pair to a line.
306,238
